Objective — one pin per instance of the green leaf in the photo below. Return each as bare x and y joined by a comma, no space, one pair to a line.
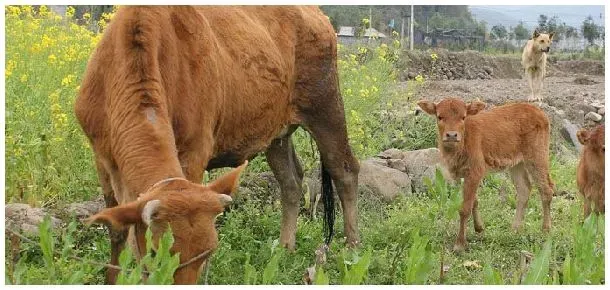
491,276
249,272
46,245
539,268
271,269
321,278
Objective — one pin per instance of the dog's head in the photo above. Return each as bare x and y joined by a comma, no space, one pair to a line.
542,41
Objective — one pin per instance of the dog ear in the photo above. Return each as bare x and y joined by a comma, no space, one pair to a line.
536,33
551,35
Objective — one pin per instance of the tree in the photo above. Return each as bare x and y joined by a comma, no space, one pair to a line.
521,33
542,22
499,32
571,32
590,30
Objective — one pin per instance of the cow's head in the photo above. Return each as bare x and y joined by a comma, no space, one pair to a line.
450,115
542,41
190,210
594,143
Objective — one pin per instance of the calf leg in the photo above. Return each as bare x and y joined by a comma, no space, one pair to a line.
476,217
471,183
285,166
523,187
540,172
587,207
117,237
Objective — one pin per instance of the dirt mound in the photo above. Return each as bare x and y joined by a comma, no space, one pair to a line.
472,65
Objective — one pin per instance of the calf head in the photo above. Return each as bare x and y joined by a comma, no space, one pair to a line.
594,143
542,41
190,210
450,116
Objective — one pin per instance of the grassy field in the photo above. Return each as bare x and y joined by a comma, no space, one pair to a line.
49,163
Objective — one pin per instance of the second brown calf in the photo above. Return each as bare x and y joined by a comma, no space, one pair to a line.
590,176
472,143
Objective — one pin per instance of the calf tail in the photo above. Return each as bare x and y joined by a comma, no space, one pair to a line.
328,198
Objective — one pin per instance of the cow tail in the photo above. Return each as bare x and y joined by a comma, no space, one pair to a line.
328,198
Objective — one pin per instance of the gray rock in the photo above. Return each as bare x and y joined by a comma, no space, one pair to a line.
421,164
391,153
87,208
595,117
586,108
568,131
488,69
384,181
24,218
602,111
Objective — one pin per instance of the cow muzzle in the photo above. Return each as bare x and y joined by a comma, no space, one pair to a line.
451,136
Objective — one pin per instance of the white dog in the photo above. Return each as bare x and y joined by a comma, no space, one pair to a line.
534,61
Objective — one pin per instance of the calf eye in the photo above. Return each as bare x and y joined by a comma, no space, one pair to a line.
440,118
463,118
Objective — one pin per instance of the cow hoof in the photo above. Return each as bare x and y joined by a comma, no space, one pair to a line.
479,230
459,248
517,227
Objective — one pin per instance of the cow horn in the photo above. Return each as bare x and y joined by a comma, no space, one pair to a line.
149,211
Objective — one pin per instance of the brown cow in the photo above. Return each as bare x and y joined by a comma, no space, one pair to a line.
590,176
514,137
173,91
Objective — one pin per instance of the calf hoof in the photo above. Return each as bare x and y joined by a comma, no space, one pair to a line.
546,229
479,229
290,246
459,247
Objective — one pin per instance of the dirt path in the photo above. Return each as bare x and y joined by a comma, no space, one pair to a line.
574,94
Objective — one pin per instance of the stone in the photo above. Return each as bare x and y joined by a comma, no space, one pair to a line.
384,181
568,131
86,209
595,117
24,218
602,111
423,163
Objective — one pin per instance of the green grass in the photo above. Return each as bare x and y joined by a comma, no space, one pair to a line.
49,163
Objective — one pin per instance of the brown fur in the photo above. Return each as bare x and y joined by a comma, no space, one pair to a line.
173,91
590,177
472,143
533,60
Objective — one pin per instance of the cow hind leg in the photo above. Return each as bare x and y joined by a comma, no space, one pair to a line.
285,165
523,187
326,123
476,217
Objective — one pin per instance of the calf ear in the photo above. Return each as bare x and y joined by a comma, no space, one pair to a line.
536,33
551,35
475,107
227,183
118,217
583,136
427,106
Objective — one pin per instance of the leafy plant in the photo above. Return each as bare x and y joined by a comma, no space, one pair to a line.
539,269
352,267
160,263
419,262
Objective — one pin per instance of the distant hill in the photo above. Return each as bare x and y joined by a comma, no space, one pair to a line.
511,15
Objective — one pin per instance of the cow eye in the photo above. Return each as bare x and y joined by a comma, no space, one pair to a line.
440,118
463,118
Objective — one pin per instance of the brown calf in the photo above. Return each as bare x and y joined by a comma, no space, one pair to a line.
173,91
514,137
590,176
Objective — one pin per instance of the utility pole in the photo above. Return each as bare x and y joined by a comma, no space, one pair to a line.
411,30
402,32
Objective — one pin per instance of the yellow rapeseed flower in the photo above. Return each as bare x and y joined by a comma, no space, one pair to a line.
70,12
23,78
52,58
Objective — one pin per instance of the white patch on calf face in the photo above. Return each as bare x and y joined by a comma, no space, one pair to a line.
151,115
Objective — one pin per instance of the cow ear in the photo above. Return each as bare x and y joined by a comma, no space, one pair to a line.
428,107
536,33
227,183
475,107
583,136
118,217
551,35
